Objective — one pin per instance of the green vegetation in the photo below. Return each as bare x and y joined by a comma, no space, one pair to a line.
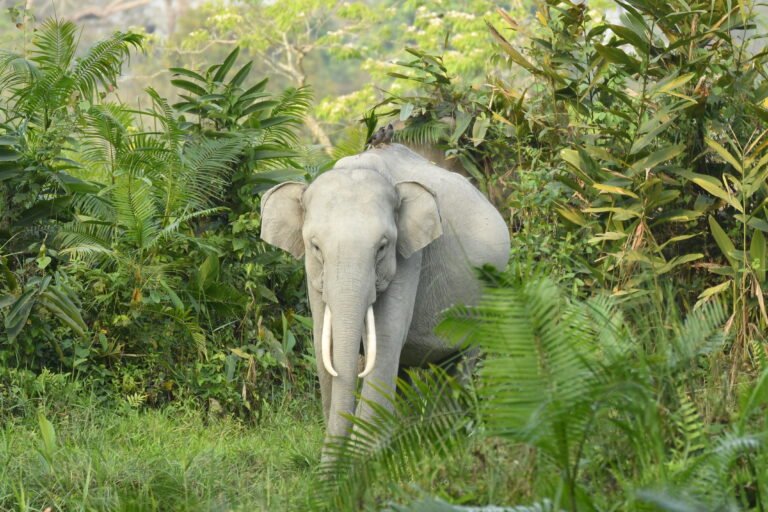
155,354
71,450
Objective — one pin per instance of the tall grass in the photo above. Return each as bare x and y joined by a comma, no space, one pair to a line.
88,454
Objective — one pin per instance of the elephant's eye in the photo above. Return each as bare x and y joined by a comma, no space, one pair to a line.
382,246
316,249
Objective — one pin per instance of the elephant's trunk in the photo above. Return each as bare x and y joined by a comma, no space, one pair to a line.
349,290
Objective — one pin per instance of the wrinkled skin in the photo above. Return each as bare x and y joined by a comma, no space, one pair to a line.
387,229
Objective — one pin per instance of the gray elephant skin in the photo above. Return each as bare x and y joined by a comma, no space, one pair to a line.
389,241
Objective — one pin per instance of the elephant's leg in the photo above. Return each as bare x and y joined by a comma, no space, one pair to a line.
393,312
318,308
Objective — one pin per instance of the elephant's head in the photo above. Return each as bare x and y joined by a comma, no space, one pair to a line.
350,225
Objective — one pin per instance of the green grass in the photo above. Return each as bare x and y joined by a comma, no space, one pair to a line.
117,458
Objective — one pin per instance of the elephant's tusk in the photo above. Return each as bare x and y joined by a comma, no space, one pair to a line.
370,343
325,345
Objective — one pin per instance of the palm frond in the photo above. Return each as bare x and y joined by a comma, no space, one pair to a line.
292,106
173,227
103,62
104,135
97,206
54,44
293,102
16,72
351,142
204,174
136,212
701,334
540,374
48,92
429,417
162,112
427,132
91,242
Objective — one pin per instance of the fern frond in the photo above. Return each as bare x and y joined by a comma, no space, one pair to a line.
690,426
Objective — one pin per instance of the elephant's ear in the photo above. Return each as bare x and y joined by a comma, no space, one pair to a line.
418,218
282,217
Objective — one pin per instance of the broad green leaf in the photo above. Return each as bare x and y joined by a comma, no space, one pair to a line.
229,61
189,86
674,239
16,318
625,213
8,154
753,222
406,111
188,73
657,157
724,154
48,436
259,106
510,50
611,189
241,75
572,216
648,136
714,187
209,270
608,235
678,216
617,56
714,290
462,122
676,262
479,128
671,84
57,301
723,242
630,36
72,320
175,300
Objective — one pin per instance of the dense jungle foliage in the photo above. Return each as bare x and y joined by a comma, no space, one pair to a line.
156,354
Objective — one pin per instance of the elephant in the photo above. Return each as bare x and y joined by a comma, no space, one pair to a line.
389,240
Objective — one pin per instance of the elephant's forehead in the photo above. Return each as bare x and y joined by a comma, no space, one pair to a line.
348,189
